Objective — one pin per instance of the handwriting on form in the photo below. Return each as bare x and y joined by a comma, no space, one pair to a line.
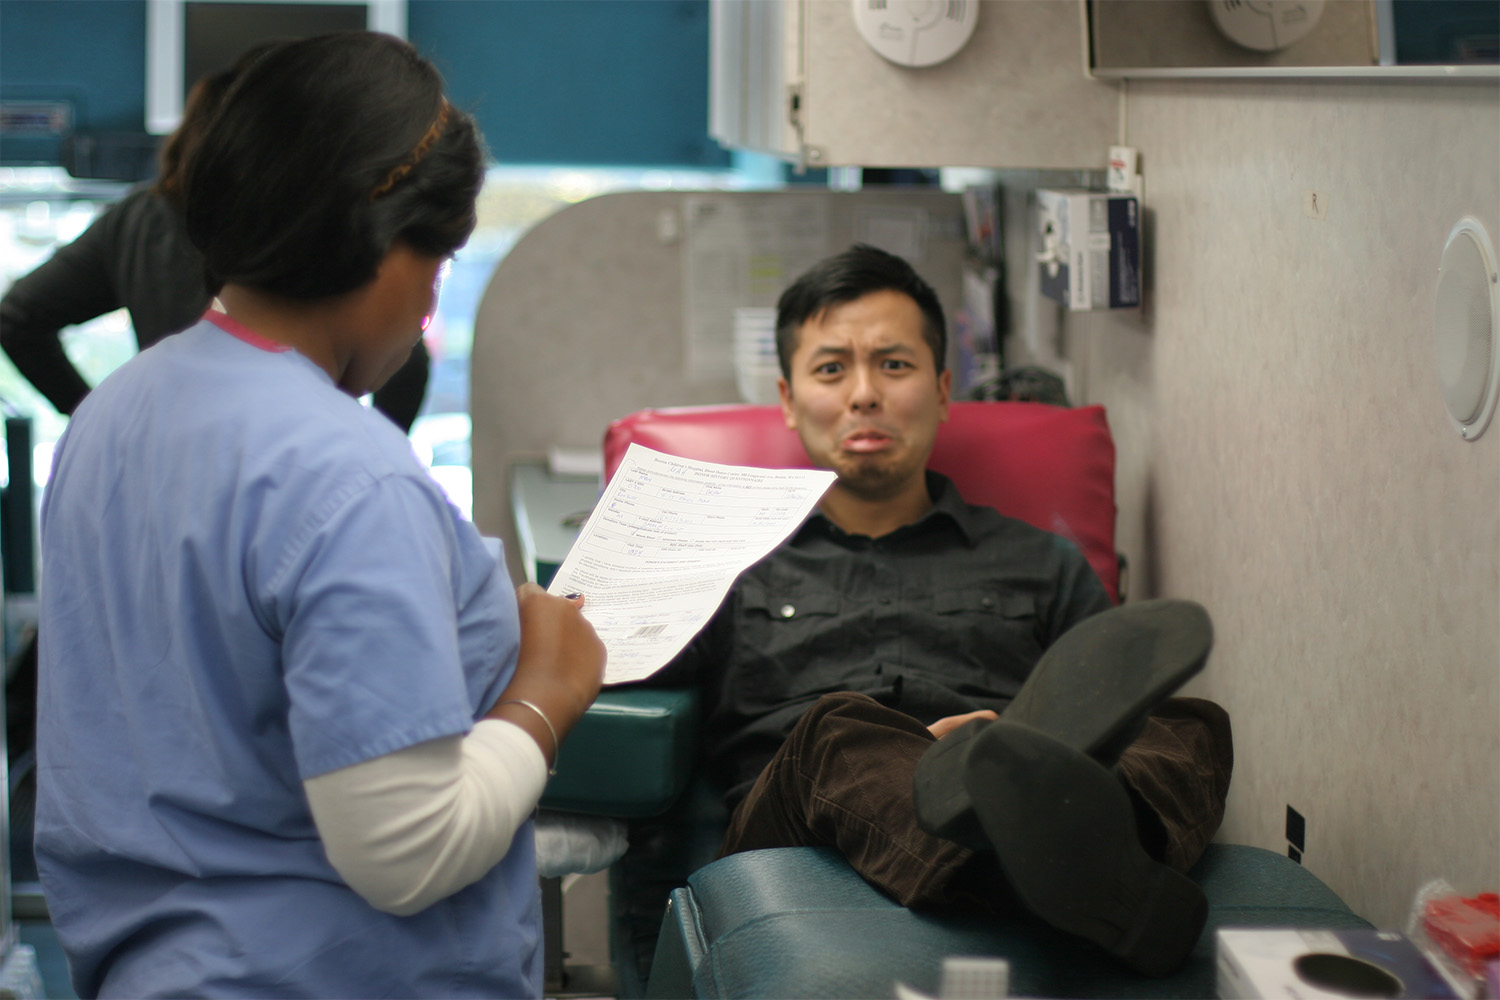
665,544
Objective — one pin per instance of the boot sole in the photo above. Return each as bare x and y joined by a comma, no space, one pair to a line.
940,795
1095,686
1092,690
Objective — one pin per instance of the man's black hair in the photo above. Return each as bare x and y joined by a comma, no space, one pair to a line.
847,276
325,152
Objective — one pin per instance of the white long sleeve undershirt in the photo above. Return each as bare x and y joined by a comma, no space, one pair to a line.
411,827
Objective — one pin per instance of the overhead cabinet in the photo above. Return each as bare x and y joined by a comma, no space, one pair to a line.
796,79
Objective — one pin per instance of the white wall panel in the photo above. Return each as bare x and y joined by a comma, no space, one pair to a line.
582,323
1014,96
1286,458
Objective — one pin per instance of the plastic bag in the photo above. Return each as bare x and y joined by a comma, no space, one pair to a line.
573,844
1461,936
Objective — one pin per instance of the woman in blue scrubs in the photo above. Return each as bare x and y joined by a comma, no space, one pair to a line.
293,719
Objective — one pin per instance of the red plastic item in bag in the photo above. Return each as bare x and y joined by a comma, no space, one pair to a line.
1468,930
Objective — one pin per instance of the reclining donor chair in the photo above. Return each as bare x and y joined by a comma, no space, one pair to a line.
798,922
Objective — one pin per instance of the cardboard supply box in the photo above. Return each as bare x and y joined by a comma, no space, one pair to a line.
1091,248
1313,964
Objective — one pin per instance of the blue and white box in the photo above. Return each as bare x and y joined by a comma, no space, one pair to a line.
1314,964
1090,248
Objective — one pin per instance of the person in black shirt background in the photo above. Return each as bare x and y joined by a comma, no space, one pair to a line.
137,256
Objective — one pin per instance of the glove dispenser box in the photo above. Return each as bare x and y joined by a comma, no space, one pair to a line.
1090,248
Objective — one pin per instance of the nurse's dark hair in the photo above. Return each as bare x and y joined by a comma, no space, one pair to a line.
324,153
847,276
198,110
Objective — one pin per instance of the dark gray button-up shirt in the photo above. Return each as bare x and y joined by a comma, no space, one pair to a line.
937,618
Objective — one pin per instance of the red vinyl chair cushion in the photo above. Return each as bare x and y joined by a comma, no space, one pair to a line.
1050,466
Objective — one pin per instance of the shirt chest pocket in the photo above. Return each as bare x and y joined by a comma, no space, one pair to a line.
983,629
790,619
968,600
786,637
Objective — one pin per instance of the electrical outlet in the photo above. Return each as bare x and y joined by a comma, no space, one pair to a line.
1296,834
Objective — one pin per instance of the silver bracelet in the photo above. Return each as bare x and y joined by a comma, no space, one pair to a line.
556,746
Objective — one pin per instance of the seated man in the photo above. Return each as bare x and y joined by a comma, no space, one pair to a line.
882,683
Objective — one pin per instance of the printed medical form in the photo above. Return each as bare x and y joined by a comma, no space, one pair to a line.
665,543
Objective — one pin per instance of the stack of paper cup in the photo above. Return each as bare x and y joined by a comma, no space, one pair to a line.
755,366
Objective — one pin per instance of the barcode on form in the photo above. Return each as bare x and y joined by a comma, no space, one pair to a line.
647,631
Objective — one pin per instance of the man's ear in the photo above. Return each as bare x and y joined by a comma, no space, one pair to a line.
945,386
784,390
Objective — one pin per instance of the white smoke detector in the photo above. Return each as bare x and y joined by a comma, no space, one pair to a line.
1265,25
916,32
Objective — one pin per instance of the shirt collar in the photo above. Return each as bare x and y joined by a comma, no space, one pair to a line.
948,507
234,328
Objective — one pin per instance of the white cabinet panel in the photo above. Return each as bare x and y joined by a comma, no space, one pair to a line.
794,78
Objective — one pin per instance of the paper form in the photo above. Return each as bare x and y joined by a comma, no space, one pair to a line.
665,543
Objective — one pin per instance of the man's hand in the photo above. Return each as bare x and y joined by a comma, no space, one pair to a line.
943,727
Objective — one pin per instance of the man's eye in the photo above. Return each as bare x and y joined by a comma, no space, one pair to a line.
895,364
828,368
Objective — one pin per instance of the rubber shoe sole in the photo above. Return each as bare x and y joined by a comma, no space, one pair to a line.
1092,690
940,795
1095,686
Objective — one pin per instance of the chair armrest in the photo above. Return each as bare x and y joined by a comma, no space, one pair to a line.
630,755
799,922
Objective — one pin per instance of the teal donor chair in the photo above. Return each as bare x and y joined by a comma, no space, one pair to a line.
798,922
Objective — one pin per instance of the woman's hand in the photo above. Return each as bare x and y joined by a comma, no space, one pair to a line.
558,641
943,727
559,669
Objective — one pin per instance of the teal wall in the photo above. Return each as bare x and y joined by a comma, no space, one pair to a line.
617,82
577,81
91,53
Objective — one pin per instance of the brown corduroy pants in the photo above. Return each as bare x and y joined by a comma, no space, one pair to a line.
843,779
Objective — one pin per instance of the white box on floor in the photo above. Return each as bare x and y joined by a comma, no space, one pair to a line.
1091,248
1313,964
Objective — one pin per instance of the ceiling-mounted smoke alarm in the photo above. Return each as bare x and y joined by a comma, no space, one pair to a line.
1265,25
1465,314
916,32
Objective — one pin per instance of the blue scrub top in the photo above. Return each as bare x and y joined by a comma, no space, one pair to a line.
249,580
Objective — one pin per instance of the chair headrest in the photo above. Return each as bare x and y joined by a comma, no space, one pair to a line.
1050,466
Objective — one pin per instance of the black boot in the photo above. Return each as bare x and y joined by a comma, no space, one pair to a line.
1093,690
1063,830
1086,700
